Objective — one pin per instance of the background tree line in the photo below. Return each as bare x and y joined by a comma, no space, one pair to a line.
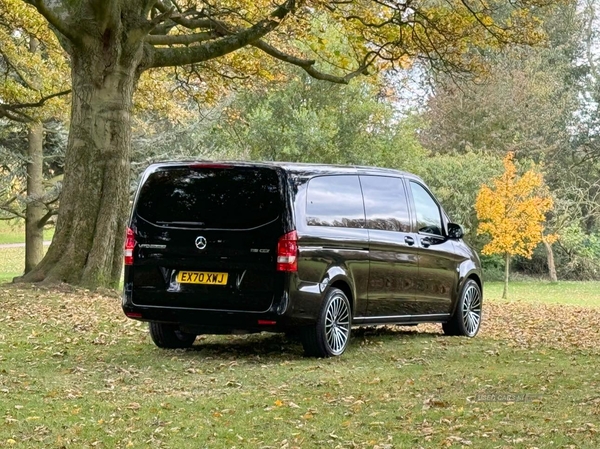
465,113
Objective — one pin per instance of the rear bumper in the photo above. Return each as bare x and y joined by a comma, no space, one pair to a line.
295,307
208,321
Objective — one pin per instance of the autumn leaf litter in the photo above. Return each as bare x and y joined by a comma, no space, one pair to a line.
520,324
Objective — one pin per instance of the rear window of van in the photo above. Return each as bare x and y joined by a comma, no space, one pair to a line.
215,198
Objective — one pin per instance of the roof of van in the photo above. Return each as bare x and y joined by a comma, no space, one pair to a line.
293,167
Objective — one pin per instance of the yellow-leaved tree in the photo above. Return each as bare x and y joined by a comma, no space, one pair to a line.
512,212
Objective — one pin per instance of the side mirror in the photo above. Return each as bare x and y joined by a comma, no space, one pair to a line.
455,231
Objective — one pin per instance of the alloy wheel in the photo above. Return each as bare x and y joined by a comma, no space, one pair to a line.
471,310
337,324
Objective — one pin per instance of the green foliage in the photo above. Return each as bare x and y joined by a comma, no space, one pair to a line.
576,254
13,165
542,104
580,252
455,179
305,120
493,266
524,104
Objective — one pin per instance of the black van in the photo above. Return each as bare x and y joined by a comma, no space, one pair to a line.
238,247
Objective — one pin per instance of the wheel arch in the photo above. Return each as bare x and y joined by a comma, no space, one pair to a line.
344,287
339,276
473,275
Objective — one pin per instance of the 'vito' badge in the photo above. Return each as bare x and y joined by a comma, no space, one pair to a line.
200,242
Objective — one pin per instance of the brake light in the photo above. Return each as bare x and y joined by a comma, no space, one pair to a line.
129,245
267,323
209,165
287,252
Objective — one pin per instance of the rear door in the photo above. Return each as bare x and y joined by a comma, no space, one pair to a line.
393,248
332,238
206,237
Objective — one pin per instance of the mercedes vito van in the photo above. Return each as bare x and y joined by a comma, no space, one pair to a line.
237,247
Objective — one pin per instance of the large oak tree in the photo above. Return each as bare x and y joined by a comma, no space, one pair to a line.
110,43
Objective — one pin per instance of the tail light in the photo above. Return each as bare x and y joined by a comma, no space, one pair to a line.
287,252
264,322
210,165
129,245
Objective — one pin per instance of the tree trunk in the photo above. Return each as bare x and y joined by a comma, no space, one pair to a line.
550,258
88,242
506,273
35,210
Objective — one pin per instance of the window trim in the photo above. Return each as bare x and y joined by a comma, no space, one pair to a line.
442,213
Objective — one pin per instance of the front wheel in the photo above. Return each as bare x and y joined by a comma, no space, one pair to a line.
168,336
467,316
330,336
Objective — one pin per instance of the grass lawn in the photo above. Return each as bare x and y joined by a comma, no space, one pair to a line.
75,373
14,232
12,263
563,292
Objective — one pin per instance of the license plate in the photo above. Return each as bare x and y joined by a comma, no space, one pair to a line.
201,277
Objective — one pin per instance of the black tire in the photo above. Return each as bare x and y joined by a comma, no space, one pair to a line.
331,335
168,336
466,320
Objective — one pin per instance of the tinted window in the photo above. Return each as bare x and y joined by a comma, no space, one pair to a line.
385,203
428,212
223,198
335,201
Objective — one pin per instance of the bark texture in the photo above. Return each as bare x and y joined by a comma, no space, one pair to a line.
35,210
506,274
550,259
87,245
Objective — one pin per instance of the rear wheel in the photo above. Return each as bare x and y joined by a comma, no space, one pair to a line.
467,316
330,336
168,336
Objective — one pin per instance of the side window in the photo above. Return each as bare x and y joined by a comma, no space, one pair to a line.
335,201
428,212
386,206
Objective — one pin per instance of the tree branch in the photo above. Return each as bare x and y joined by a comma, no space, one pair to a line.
589,39
165,57
15,69
14,112
42,222
220,29
6,208
38,103
18,116
54,17
486,27
308,65
182,39
199,19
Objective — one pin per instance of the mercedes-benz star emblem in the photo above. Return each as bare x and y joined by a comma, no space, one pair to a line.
200,242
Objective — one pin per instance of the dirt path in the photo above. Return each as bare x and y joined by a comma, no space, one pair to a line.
19,245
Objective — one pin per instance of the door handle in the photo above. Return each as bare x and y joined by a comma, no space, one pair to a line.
426,242
409,241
